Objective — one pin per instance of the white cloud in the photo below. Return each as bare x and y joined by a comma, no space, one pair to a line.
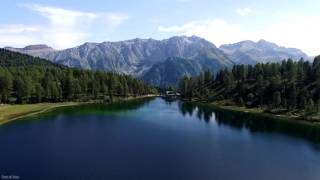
114,19
244,11
63,28
184,27
291,31
217,31
296,31
17,28
59,16
17,34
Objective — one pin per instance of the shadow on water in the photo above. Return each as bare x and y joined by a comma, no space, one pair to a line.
237,120
202,113
253,122
87,109
124,106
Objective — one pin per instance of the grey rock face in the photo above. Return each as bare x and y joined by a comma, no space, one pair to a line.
38,50
170,71
249,52
135,56
163,62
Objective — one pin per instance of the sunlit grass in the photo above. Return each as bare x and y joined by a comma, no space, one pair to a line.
12,112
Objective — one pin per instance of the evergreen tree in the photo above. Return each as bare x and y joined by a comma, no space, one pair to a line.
309,108
276,99
25,79
290,85
5,88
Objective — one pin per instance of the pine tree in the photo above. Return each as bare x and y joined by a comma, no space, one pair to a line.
5,87
292,100
277,99
289,85
309,108
38,93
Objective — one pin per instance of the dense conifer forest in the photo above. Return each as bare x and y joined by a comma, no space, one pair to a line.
26,79
289,87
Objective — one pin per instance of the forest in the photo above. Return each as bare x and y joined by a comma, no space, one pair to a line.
287,87
26,79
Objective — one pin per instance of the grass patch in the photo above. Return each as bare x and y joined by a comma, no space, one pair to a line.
314,120
9,113
241,109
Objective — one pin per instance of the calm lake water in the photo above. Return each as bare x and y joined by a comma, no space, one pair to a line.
156,139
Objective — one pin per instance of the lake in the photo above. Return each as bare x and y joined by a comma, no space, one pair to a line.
157,139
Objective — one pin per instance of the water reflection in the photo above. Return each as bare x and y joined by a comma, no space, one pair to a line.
186,108
149,139
251,122
237,120
85,109
103,108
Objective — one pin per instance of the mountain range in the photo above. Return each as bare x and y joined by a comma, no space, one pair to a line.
163,62
38,50
250,52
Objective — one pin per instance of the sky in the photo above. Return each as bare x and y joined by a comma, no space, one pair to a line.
67,23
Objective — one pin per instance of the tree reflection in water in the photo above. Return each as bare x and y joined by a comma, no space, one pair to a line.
252,122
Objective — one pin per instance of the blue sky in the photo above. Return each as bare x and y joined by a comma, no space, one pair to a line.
67,23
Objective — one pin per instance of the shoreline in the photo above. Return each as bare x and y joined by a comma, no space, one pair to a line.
10,113
259,112
285,117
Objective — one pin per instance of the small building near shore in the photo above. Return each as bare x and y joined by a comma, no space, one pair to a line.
172,94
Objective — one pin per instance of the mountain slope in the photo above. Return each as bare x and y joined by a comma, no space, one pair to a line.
135,56
27,79
169,72
38,50
249,52
15,59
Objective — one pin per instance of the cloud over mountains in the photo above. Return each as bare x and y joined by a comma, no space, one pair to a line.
61,28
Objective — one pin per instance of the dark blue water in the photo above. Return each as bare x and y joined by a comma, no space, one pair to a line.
155,139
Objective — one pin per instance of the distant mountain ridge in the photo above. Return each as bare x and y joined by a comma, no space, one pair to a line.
250,52
138,56
170,71
161,62
38,50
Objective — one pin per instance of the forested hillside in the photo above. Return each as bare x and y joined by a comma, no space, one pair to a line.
169,72
14,59
25,79
288,87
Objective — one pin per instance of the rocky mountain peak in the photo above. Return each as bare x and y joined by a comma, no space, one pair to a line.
262,51
37,47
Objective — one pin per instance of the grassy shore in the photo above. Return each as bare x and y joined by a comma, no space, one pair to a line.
9,113
289,116
258,111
